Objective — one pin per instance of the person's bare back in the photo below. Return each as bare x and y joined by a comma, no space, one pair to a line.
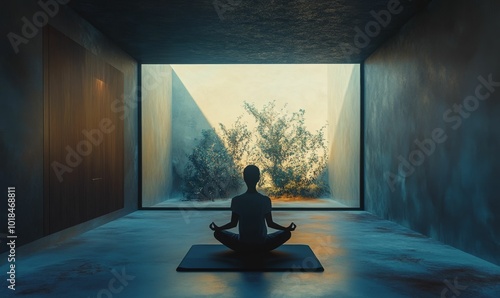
252,211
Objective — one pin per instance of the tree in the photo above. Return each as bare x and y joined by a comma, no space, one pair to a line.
292,158
237,140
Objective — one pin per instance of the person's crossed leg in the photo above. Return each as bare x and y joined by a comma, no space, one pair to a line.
272,241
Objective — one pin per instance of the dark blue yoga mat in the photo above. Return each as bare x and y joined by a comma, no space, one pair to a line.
216,257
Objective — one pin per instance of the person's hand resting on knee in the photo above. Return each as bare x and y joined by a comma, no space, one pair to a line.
291,227
214,227
232,224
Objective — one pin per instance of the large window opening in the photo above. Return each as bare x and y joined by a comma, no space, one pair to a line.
202,124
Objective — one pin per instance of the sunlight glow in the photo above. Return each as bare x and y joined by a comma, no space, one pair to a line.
220,90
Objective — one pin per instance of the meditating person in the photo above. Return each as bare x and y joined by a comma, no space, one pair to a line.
251,211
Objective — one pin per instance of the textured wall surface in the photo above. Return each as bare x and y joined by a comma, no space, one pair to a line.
21,118
156,111
344,133
22,106
432,126
187,123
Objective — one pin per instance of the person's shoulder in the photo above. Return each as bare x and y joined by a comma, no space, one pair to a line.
237,198
265,197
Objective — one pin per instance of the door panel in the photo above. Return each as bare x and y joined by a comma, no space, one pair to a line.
85,166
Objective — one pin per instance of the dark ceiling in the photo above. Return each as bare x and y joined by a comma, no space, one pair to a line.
237,31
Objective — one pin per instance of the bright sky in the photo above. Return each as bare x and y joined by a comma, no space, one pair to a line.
220,90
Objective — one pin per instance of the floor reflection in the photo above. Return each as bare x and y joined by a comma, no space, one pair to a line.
362,255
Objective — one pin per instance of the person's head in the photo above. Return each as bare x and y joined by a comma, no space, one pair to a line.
251,175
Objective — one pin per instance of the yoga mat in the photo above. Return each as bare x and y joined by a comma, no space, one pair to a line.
217,257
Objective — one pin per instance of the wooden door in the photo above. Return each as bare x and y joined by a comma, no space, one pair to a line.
83,137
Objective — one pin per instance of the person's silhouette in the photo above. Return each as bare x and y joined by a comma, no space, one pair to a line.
252,211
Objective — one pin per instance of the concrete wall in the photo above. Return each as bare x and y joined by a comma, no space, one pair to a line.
433,126
156,112
21,129
21,114
344,133
187,123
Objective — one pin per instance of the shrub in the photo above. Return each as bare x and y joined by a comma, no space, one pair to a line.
211,172
236,140
292,159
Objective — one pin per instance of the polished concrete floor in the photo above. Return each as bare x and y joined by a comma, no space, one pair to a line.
363,256
226,203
